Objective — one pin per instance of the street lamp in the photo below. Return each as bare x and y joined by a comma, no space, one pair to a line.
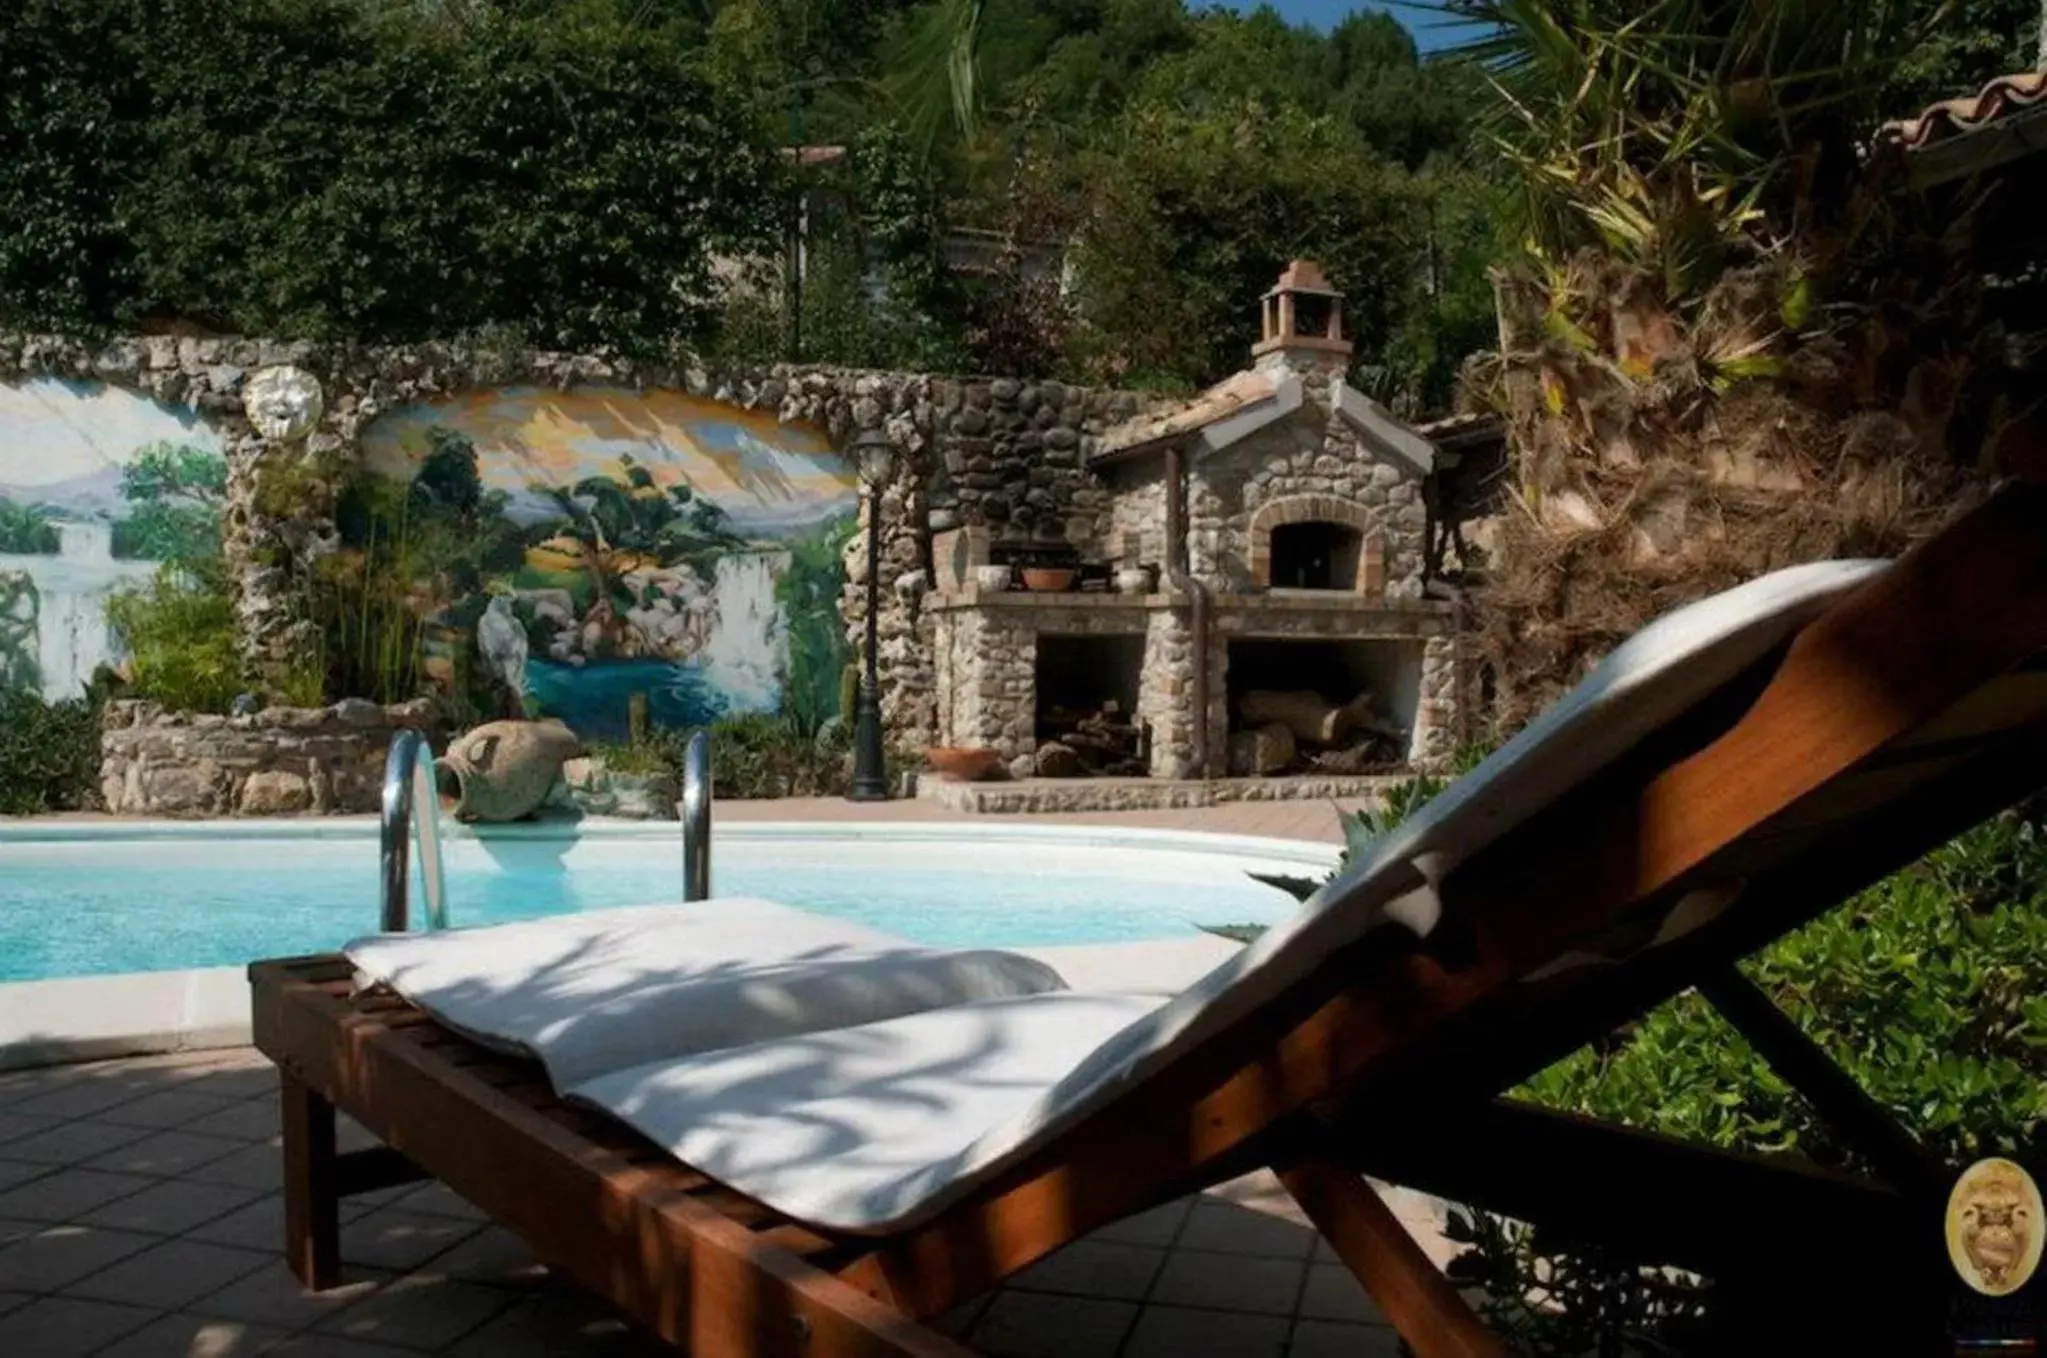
875,455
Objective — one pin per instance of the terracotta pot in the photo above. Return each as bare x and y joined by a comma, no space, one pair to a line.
1048,580
965,766
503,770
991,577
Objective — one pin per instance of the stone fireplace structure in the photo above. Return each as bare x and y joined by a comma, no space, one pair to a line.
1270,534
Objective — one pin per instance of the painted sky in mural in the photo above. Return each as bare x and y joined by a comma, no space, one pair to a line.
629,548
768,478
97,486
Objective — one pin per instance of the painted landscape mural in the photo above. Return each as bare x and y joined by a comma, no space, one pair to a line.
583,554
98,487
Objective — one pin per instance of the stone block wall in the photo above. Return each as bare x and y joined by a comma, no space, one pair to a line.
279,761
997,453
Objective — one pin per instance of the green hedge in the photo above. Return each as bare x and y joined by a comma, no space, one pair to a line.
370,171
49,753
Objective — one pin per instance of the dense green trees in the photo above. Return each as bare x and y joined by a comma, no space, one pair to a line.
568,172
344,168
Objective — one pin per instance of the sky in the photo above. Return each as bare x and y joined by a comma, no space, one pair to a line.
1324,14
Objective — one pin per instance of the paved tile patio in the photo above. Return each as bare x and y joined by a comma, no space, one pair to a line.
140,1218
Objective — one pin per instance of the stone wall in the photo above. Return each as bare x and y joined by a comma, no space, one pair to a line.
986,649
993,452
279,761
1301,457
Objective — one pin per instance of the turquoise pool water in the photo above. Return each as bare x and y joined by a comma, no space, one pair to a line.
106,904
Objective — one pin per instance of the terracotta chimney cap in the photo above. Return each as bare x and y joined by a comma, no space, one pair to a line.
1301,321
1303,275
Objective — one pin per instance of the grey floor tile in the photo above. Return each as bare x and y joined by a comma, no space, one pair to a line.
333,1346
166,1153
1234,1282
562,1324
79,1097
169,1276
166,1109
441,1200
1159,1226
257,1226
72,1142
1334,1339
57,1255
960,1320
14,1125
59,1327
238,1081
13,1172
244,1120
493,1257
419,1312
68,1192
397,1239
183,1336
1334,1293
1240,1230
1180,1332
1041,1325
251,1166
14,1301
1096,1268
170,1207
272,1296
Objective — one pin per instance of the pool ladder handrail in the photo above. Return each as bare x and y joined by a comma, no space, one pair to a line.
695,811
412,806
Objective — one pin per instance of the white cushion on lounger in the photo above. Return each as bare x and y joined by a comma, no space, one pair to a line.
974,1089
596,991
814,1124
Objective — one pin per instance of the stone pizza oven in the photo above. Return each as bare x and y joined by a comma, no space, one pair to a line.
1252,603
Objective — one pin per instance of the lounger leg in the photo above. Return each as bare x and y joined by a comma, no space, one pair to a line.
1423,1306
312,1200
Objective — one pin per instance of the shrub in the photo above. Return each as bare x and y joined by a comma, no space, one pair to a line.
180,634
760,755
49,753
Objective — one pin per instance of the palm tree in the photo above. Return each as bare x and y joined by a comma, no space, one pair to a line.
1693,203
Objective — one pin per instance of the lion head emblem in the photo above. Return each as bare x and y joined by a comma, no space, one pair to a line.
283,403
1994,1227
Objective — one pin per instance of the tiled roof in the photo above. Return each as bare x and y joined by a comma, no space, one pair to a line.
1952,117
1219,402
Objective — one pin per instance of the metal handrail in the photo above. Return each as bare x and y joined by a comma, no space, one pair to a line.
695,810
409,783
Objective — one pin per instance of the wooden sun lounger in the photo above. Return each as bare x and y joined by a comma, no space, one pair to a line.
1839,760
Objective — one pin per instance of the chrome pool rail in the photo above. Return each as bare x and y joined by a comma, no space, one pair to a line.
412,806
695,810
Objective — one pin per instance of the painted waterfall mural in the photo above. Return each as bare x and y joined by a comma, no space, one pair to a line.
572,552
98,487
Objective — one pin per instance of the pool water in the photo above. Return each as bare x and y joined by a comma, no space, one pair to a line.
106,903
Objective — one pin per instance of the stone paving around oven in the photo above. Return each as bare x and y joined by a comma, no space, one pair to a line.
140,1218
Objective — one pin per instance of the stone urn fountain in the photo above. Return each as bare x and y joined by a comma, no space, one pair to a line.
503,770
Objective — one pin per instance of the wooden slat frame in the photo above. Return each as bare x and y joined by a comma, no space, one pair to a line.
1904,648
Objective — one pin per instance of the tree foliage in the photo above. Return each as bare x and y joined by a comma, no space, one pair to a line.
334,168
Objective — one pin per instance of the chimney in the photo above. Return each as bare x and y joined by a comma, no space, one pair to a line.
1301,322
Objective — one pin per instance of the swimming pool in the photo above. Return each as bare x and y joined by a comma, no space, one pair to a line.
80,899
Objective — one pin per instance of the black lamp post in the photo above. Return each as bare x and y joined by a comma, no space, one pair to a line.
875,454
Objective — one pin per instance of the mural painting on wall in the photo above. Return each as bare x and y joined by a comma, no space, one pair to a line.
569,552
99,487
